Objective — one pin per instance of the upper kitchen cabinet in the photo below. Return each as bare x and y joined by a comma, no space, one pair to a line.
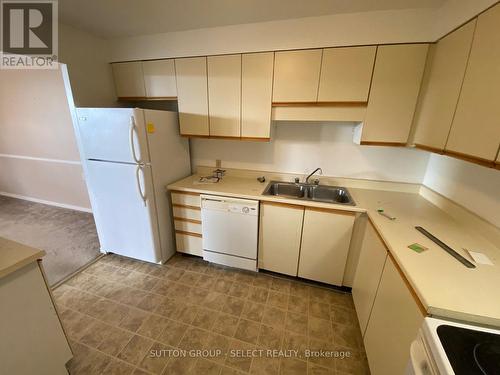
394,90
192,95
224,95
256,94
129,80
475,131
296,76
159,79
346,74
443,79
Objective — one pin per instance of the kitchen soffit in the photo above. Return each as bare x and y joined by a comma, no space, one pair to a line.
124,18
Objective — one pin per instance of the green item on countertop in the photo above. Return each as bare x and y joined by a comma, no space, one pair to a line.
417,247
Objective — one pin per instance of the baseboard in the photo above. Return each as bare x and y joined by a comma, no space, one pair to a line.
50,203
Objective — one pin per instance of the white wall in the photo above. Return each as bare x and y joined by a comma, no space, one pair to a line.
472,186
90,73
301,147
379,27
39,159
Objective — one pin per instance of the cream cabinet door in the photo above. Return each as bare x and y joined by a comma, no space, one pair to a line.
224,95
256,94
129,80
476,126
159,79
393,95
33,339
326,236
442,81
296,75
368,273
192,95
346,74
279,237
393,325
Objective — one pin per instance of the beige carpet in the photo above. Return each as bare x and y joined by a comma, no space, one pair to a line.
68,237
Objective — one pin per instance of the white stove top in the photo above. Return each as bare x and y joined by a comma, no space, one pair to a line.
433,342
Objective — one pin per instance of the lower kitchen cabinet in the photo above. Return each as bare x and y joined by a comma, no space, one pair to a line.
393,325
312,243
186,208
280,233
371,263
33,338
189,243
326,235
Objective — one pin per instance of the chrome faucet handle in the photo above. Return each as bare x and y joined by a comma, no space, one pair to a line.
297,180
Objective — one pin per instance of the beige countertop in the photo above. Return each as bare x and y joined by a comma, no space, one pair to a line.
14,255
444,286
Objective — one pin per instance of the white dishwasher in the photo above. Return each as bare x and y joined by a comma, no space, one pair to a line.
230,229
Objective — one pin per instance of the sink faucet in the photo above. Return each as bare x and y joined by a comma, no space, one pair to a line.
316,170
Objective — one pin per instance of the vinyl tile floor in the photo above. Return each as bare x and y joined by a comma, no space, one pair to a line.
124,316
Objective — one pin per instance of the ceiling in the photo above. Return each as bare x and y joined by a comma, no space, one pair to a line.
122,18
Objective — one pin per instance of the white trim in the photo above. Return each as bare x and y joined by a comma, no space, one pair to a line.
11,156
50,203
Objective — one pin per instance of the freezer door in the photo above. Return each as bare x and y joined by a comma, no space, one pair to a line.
125,209
114,134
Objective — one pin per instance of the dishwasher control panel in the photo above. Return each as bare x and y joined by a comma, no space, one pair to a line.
232,205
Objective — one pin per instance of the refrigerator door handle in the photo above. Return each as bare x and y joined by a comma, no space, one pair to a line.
132,129
138,180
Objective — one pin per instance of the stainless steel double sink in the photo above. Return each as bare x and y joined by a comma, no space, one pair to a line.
310,192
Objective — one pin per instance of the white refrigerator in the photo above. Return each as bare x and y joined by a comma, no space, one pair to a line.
130,155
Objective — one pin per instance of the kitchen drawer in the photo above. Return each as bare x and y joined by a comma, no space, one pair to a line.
188,244
186,199
187,213
188,226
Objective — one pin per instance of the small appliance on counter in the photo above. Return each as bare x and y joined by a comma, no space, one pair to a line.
445,348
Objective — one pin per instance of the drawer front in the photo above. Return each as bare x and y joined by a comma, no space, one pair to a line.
187,213
187,226
188,244
186,199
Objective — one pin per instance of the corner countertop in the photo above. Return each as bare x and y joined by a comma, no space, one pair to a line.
14,255
445,287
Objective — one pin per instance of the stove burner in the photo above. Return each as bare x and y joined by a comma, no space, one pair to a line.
487,357
470,352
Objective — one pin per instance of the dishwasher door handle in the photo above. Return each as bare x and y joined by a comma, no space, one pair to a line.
214,200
